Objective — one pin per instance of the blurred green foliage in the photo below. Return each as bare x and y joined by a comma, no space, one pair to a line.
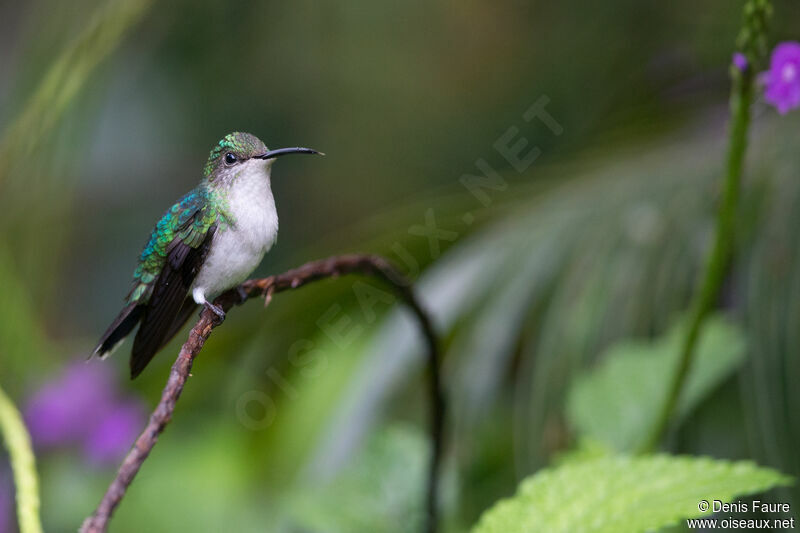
599,241
618,402
388,482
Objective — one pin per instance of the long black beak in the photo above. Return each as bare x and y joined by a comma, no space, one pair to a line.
283,151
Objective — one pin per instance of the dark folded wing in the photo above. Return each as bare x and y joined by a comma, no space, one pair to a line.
187,310
119,329
170,289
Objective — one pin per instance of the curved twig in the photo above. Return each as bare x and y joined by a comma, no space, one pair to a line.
369,265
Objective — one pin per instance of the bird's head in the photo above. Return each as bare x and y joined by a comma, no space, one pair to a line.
237,152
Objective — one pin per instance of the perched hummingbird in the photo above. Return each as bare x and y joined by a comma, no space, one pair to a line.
205,244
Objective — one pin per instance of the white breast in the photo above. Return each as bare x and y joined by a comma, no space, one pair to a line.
238,249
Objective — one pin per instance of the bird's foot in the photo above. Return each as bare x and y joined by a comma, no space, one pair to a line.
242,294
268,294
217,310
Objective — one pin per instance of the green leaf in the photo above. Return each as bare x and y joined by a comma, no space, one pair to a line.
617,403
624,494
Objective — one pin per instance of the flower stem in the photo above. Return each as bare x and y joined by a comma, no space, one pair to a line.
18,443
752,44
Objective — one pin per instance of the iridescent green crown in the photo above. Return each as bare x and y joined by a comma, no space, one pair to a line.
244,145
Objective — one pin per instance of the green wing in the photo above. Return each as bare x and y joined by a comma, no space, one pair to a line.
168,265
186,223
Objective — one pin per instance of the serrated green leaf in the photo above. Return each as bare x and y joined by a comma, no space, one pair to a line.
617,403
623,494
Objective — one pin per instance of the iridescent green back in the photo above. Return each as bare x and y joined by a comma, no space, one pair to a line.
188,220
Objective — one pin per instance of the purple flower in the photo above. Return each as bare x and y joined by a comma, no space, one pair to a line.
64,409
81,408
114,434
782,80
740,61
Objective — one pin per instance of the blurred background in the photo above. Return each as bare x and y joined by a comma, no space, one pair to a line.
311,415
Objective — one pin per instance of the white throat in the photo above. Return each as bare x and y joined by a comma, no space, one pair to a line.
249,196
237,249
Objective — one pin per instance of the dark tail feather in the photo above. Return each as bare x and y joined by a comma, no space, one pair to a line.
118,330
158,327
187,309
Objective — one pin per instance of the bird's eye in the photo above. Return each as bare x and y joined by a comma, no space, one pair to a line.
230,158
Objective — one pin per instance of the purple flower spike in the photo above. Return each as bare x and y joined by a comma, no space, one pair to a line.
81,408
783,77
740,61
65,409
114,434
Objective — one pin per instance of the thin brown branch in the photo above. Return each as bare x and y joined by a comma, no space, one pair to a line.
369,265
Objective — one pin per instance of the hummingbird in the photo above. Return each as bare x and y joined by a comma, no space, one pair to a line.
209,241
